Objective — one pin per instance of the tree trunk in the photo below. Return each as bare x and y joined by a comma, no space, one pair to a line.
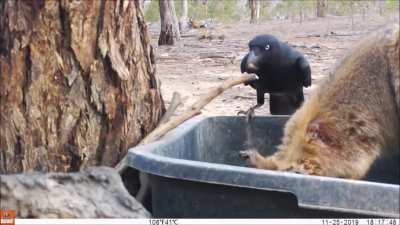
258,8
241,8
381,6
146,5
169,23
253,9
301,14
365,10
183,21
205,4
321,8
141,4
352,14
77,83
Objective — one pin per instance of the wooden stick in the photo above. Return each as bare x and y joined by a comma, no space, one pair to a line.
175,102
195,109
163,128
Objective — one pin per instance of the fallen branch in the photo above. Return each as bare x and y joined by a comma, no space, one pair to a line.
188,35
175,102
310,35
195,109
163,128
331,34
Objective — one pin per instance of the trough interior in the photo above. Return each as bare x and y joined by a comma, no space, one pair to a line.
219,140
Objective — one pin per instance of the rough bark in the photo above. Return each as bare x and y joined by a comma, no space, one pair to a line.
141,4
77,83
321,8
95,193
169,23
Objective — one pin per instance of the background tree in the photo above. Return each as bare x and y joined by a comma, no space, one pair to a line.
365,7
241,8
301,13
169,23
205,5
351,5
255,7
321,8
144,5
258,8
381,6
232,11
77,81
183,21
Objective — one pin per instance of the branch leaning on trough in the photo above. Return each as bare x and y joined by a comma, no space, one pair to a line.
166,125
195,109
175,102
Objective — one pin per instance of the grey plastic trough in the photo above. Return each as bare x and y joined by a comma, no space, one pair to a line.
196,172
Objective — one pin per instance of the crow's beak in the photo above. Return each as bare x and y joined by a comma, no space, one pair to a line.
252,67
251,63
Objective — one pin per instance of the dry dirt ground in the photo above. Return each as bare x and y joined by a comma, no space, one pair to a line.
193,66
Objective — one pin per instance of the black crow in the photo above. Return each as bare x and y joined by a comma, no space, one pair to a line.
282,72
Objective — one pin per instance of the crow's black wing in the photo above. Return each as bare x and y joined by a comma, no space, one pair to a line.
305,71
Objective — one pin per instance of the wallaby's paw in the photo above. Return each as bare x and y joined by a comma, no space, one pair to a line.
253,158
306,166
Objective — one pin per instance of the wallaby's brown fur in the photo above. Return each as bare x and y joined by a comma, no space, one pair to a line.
349,120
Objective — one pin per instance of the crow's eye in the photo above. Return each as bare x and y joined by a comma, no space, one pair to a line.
267,47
